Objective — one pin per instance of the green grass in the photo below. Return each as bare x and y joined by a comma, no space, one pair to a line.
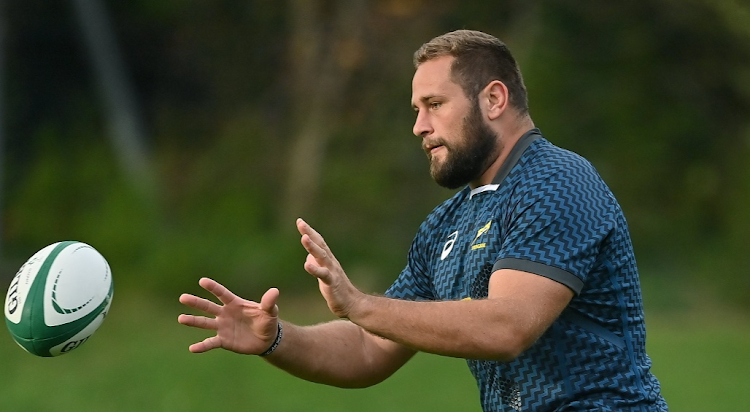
138,361
702,360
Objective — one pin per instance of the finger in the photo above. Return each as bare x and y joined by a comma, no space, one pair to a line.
268,302
201,304
305,229
201,322
206,345
302,226
313,248
314,268
218,290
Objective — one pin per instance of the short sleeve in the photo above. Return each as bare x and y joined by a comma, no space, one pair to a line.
558,224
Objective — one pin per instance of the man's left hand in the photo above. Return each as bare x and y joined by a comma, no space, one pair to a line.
335,286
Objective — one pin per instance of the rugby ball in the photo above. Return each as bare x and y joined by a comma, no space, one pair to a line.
58,298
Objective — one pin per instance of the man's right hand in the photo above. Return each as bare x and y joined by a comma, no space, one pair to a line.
241,326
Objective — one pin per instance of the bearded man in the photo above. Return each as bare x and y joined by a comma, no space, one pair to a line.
527,272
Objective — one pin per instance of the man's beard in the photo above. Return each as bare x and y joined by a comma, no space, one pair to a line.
467,159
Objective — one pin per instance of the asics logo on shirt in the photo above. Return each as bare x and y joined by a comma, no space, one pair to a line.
448,246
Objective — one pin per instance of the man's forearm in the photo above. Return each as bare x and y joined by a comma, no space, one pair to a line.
337,353
520,307
478,329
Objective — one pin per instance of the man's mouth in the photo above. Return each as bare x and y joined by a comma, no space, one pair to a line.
431,148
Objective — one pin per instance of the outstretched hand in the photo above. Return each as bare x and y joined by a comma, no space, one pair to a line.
334,285
241,325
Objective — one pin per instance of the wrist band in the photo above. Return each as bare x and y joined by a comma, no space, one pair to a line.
275,343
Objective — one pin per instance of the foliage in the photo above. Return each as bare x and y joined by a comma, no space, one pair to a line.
654,93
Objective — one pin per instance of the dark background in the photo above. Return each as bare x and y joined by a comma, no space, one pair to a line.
181,139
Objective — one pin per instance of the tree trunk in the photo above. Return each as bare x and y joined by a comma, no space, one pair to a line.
322,61
124,125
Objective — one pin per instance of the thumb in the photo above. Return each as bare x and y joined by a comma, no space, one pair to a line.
268,302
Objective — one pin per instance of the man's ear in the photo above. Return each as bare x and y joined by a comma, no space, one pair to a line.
495,97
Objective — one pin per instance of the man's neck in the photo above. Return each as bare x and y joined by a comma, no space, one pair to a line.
508,139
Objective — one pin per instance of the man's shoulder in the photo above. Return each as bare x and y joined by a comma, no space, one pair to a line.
546,164
543,153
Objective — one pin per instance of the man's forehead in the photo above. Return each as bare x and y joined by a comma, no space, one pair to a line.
433,77
433,70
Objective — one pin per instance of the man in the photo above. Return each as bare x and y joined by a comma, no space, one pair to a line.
528,272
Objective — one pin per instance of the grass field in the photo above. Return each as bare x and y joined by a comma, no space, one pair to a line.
138,361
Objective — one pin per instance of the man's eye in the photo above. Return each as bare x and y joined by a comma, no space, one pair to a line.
435,105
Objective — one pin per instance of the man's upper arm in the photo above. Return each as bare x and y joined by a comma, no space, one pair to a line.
536,301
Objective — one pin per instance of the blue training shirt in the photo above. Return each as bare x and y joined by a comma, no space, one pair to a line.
548,212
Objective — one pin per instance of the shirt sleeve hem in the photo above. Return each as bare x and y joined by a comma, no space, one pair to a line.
558,275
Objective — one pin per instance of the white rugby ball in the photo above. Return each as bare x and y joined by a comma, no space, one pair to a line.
58,298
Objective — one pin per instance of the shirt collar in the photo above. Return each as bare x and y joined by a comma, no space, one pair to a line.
515,154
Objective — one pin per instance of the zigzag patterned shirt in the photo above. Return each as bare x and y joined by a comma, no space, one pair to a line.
548,212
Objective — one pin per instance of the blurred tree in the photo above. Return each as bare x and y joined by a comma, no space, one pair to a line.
322,55
124,125
257,109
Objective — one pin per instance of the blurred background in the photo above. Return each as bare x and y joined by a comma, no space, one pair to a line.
182,139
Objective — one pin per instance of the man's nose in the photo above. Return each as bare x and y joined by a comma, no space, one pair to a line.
422,126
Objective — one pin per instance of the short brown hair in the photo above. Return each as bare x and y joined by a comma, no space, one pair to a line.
479,59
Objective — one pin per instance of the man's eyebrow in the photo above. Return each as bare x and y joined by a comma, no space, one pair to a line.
424,99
